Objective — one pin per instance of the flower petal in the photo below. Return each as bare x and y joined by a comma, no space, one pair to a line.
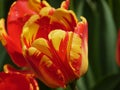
66,18
74,53
47,67
42,45
65,4
19,13
30,30
67,49
17,81
82,30
56,38
37,5
34,28
2,31
43,67
15,52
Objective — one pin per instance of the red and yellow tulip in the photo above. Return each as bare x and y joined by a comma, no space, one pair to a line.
52,42
19,13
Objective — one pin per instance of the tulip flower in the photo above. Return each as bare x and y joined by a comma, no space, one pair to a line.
52,42
55,46
118,49
19,13
17,81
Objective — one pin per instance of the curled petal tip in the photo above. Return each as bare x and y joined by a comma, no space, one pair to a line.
83,19
65,4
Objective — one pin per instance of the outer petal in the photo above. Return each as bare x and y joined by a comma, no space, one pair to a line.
14,51
74,53
67,48
17,81
82,30
18,15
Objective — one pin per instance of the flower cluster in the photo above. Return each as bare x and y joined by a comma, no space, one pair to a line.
50,43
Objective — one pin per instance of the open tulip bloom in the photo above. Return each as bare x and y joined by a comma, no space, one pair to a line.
50,42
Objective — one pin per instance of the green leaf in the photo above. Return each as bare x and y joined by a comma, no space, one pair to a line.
109,83
92,15
78,7
107,39
81,85
58,89
89,78
102,38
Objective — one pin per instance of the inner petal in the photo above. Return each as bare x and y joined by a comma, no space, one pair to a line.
74,53
30,30
41,44
56,37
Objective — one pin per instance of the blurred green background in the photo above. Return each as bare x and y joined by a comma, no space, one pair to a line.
103,18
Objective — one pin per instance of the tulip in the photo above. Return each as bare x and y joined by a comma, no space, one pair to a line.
55,46
20,12
118,49
17,81
52,42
